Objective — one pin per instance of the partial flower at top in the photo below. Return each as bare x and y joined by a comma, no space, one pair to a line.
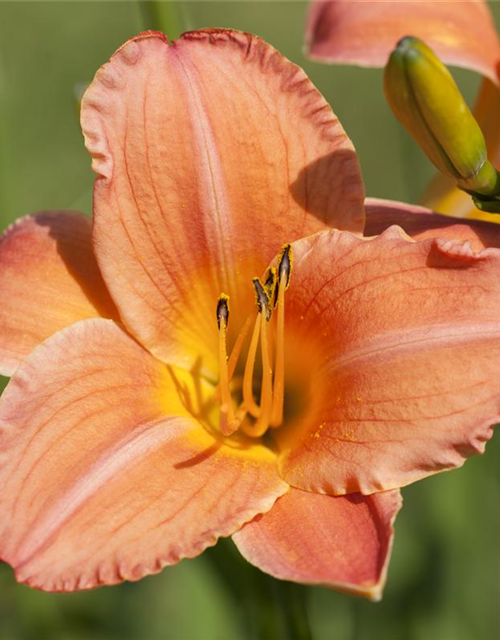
248,364
461,34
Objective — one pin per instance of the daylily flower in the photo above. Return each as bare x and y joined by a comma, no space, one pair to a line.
365,33
228,212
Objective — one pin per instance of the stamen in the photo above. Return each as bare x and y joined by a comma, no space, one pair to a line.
271,287
284,272
236,352
262,423
267,384
264,311
226,408
248,399
269,295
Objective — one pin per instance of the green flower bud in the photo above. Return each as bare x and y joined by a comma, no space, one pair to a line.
428,103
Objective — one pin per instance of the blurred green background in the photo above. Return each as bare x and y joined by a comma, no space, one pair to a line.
445,572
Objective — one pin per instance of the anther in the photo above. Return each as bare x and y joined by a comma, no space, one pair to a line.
285,264
223,311
262,298
270,282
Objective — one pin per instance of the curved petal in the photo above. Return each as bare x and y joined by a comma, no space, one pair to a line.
341,542
421,223
211,153
364,33
48,279
405,381
105,474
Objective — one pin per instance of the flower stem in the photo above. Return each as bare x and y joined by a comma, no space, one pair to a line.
293,602
271,609
162,15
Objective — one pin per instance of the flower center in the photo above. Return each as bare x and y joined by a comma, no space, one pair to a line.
251,416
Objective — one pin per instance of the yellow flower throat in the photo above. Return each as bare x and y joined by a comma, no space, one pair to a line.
252,417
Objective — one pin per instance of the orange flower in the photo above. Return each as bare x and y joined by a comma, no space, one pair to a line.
128,438
365,33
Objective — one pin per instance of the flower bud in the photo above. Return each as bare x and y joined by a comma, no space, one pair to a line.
428,103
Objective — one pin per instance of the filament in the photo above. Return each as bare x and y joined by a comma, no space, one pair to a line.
238,345
262,423
248,399
226,407
279,375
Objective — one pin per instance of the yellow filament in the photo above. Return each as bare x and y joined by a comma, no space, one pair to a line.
248,399
279,374
226,407
260,427
238,345
235,353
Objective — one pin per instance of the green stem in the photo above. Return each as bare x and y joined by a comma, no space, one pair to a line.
486,182
271,609
483,203
161,15
292,599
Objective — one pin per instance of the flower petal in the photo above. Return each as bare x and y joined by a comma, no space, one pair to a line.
364,33
105,474
340,542
408,340
421,223
211,153
48,279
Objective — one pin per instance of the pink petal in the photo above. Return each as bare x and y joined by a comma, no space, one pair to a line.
340,542
364,33
400,344
48,279
211,153
421,223
106,476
